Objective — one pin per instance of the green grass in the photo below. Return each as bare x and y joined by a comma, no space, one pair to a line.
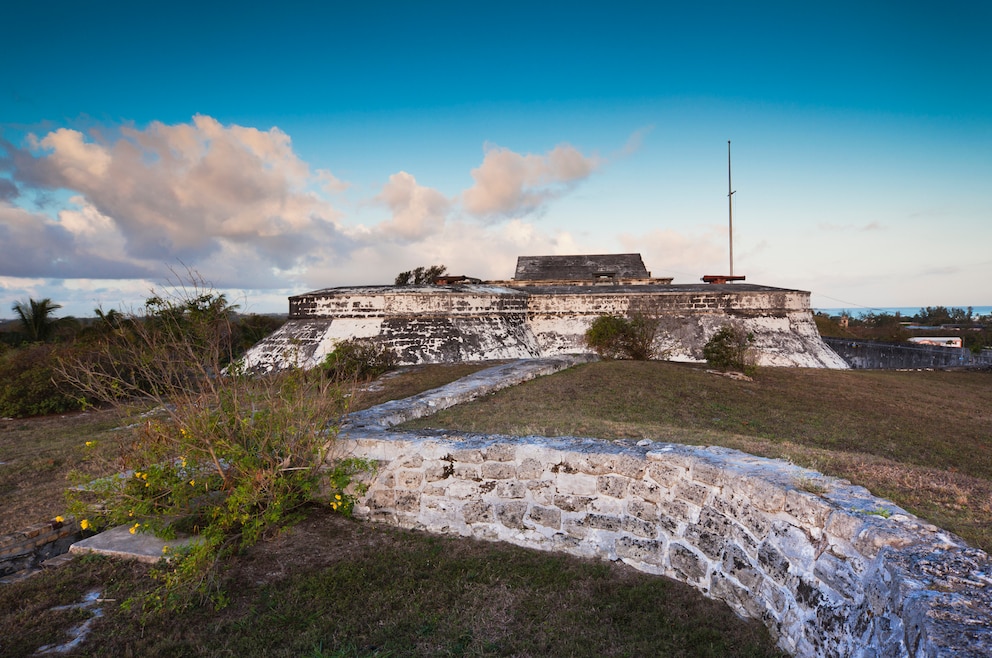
334,587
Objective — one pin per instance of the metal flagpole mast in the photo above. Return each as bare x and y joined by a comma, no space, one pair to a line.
730,204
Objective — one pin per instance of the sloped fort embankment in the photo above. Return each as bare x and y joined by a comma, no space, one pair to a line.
472,322
832,573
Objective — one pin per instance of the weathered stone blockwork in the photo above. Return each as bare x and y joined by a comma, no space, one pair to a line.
838,574
434,324
843,574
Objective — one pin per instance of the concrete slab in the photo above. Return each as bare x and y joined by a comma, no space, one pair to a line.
119,542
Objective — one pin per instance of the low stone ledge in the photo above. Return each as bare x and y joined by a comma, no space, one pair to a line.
835,574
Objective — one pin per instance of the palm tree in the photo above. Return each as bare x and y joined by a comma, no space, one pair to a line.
36,317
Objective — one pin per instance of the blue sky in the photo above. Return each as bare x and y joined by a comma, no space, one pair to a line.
283,148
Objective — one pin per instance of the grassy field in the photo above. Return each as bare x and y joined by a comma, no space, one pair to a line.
333,587
922,439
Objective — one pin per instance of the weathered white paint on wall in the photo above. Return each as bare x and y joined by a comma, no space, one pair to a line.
427,324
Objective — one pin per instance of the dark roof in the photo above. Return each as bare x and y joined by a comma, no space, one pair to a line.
547,268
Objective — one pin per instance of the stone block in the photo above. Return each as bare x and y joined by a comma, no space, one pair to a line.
600,522
576,484
469,455
875,536
467,472
407,501
647,491
572,503
498,470
667,475
545,516
632,467
542,491
764,495
692,492
641,550
412,461
709,543
477,511
462,489
409,479
708,474
740,599
844,525
838,574
690,566
382,499
500,452
642,510
511,489
530,469
437,471
638,527
512,514
773,563
738,564
614,486
808,509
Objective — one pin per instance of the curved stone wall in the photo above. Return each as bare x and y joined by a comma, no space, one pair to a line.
829,568
837,574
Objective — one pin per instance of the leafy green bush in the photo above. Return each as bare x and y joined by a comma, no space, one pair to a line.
27,385
730,349
618,337
228,456
359,359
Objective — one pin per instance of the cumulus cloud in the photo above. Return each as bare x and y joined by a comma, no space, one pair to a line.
102,214
188,191
509,184
417,211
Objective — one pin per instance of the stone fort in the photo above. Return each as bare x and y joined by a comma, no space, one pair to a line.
544,310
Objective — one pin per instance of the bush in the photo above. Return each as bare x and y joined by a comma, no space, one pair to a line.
228,456
359,359
27,387
617,337
730,349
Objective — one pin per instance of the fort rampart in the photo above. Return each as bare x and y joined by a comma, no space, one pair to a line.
432,324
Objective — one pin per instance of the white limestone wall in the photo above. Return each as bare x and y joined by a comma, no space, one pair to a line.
837,574
432,324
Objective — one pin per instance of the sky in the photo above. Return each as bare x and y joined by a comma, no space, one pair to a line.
281,148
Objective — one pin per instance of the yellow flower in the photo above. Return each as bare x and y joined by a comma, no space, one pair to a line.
134,528
337,496
165,549
84,524
182,461
90,444
192,483
59,519
137,474
334,506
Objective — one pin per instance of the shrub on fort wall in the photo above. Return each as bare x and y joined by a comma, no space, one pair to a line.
359,359
730,349
619,337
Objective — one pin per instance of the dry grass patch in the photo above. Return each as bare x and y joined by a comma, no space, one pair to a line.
334,587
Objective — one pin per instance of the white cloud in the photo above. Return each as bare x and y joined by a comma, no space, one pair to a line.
508,184
686,257
417,211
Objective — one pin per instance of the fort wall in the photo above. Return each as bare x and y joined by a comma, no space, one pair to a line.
432,324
